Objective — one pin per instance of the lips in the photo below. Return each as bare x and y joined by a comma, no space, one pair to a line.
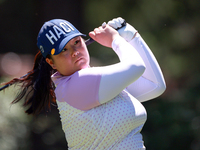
78,59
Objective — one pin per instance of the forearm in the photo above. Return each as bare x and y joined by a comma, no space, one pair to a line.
117,77
153,71
151,84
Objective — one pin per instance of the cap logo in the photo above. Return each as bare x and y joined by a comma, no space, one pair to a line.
63,29
53,51
41,48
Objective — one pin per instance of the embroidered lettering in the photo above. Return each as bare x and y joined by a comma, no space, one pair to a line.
64,25
58,31
51,37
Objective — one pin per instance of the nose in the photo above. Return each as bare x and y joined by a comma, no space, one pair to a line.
75,53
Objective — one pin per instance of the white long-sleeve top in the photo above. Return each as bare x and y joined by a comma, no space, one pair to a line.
98,105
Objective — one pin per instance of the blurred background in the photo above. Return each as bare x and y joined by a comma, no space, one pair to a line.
170,28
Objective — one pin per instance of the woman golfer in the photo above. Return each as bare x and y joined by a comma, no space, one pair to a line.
100,107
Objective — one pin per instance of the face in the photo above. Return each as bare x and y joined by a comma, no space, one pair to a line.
74,57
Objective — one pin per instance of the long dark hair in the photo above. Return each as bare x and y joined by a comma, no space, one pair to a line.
37,88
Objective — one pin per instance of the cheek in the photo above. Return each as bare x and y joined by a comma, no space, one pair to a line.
88,57
61,63
86,53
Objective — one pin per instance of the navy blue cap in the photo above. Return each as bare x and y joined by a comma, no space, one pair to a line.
54,35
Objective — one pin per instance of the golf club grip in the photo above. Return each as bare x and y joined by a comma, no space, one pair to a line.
90,40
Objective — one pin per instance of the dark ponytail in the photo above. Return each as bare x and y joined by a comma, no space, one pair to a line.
37,88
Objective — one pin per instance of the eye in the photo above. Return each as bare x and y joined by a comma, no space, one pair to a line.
76,42
64,50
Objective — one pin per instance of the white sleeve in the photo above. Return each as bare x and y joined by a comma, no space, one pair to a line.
152,83
117,77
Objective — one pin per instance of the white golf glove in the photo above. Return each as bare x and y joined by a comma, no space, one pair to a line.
127,32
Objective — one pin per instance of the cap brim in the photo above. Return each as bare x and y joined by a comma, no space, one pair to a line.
62,44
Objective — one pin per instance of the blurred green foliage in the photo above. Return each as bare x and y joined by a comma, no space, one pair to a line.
14,124
170,28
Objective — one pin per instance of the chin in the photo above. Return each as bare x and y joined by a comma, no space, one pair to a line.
85,66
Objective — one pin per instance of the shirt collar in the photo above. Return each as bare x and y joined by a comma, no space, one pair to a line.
57,77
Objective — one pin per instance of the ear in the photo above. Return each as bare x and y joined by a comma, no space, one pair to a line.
51,63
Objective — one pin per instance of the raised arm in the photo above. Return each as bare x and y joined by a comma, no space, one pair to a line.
152,83
117,77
